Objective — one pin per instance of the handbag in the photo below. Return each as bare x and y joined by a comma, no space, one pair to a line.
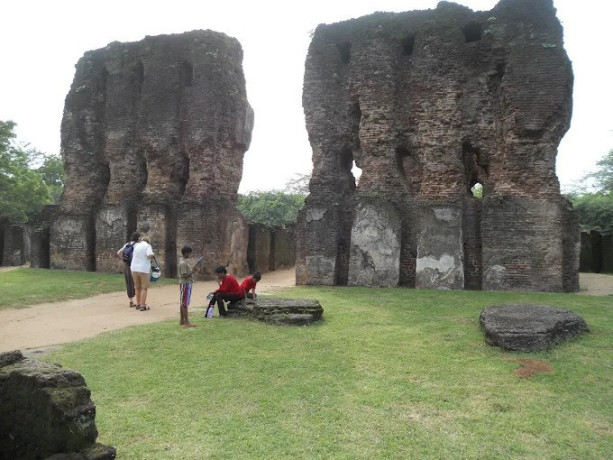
156,272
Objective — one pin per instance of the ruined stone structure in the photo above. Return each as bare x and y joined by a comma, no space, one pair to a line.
46,412
429,104
153,138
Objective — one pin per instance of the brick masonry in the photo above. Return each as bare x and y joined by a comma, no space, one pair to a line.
427,104
153,138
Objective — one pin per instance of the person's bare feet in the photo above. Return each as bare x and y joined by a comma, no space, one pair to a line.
189,325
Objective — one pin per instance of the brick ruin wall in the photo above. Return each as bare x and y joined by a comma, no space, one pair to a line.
153,138
427,104
46,412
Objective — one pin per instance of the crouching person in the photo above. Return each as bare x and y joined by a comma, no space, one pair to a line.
229,290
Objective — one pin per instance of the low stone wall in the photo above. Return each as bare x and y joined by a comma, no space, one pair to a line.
46,410
596,253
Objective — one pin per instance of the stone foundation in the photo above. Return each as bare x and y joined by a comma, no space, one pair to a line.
46,410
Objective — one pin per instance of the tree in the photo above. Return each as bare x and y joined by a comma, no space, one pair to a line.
596,207
602,178
24,173
272,208
275,208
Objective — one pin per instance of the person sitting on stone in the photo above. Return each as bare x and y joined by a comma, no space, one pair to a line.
229,290
248,286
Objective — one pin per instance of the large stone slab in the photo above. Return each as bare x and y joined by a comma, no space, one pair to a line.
297,312
529,327
46,412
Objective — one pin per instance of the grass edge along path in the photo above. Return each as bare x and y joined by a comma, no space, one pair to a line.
24,287
389,373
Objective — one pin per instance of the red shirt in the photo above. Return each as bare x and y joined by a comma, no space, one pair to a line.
230,286
248,284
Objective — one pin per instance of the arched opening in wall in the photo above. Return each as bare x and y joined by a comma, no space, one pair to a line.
344,50
345,191
477,190
356,172
408,43
187,73
475,168
472,32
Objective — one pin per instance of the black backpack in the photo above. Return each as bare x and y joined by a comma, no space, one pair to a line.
127,253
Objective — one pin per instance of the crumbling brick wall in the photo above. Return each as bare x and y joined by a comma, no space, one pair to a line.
46,410
153,138
428,104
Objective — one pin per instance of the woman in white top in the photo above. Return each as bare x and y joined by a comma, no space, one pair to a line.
141,272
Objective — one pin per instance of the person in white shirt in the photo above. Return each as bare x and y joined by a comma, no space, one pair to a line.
141,271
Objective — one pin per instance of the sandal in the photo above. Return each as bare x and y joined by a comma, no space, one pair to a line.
143,308
132,305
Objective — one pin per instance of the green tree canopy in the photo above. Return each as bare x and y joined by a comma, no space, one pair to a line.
596,206
29,179
271,208
275,208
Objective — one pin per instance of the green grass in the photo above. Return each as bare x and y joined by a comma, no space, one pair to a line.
28,286
389,373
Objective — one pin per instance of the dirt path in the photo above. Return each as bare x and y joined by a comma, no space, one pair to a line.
49,324
42,327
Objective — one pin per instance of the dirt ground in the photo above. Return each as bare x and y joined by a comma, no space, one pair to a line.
46,326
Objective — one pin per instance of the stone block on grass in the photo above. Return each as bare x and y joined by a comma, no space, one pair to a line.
296,312
529,327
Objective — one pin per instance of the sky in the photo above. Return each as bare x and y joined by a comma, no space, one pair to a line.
42,40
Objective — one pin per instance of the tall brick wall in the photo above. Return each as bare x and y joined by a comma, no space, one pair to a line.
427,104
153,136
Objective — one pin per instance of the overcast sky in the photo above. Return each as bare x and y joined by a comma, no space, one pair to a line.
42,40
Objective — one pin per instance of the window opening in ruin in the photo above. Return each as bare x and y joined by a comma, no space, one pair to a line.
357,173
408,44
475,168
472,32
345,51
187,73
477,190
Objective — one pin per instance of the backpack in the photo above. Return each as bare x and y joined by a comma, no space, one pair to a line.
127,253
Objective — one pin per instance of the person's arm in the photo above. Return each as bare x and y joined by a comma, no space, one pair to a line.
197,265
120,252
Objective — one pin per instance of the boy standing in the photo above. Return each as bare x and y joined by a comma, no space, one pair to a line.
186,280
248,286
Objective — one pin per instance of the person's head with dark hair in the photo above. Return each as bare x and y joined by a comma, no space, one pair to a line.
221,272
135,236
257,276
186,251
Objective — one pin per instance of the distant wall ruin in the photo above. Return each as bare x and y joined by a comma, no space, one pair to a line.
428,104
153,138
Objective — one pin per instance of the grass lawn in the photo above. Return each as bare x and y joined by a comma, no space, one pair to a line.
28,286
389,373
